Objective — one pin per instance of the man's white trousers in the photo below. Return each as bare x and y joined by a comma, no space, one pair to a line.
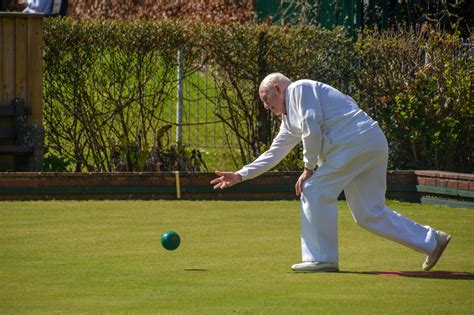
363,180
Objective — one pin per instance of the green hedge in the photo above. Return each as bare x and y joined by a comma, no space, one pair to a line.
419,86
107,85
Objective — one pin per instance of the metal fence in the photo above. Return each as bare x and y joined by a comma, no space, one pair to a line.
192,111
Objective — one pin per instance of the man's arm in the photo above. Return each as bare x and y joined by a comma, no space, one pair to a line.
283,143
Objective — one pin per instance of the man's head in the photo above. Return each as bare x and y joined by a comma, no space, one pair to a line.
272,92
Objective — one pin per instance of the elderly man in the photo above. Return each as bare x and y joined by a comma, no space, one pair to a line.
351,153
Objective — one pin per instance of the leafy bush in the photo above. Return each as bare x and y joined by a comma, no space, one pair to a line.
105,86
418,84
221,11
55,163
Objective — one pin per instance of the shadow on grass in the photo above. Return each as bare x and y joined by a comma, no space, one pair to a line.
420,274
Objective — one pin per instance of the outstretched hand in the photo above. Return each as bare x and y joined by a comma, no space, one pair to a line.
225,180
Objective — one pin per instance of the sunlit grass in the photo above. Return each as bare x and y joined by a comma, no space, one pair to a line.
106,257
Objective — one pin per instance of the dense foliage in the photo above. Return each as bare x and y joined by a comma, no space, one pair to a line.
106,84
222,11
419,86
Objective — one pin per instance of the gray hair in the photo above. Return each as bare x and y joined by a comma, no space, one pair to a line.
272,78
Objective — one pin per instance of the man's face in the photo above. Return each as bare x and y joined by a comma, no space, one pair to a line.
273,98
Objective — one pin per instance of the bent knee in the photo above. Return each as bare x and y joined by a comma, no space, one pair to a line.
366,217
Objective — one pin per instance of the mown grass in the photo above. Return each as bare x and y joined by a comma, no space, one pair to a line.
105,257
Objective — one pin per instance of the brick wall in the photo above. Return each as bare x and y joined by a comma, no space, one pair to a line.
451,189
446,179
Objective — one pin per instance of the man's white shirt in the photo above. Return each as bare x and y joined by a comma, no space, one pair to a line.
330,125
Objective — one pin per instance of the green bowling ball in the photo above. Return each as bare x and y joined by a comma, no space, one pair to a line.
170,240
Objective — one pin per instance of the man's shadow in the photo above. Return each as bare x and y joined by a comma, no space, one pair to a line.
447,275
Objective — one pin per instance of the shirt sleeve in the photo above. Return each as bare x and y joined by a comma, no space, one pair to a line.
283,143
307,100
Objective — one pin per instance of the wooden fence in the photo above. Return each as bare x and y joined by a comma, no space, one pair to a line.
21,79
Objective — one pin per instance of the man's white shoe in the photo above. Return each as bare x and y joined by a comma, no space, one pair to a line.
316,266
442,240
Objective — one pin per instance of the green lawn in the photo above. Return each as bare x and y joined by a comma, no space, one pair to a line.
235,257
